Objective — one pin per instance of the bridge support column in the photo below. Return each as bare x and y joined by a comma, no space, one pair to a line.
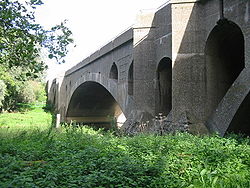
144,63
188,41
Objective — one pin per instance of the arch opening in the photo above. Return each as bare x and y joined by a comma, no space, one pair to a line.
164,80
224,55
92,104
113,74
131,79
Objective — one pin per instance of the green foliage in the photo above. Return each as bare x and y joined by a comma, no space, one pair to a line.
27,94
22,41
21,38
11,92
32,91
17,91
39,91
34,119
82,157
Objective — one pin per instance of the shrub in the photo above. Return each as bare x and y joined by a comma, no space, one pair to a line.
26,93
39,91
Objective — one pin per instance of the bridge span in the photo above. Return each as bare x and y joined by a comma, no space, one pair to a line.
187,60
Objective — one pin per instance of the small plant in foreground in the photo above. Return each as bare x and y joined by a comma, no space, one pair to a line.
83,157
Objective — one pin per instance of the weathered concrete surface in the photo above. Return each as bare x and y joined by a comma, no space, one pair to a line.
188,60
193,73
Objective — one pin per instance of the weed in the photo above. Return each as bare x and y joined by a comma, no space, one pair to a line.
32,154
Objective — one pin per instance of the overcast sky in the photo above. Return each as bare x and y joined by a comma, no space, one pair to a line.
93,22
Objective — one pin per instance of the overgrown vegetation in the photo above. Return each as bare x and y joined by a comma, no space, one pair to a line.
82,157
17,95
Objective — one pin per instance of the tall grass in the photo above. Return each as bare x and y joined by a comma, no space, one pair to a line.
83,157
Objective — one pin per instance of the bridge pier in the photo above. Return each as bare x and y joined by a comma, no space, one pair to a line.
207,85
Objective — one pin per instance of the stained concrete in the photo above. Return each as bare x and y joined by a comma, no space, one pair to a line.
209,49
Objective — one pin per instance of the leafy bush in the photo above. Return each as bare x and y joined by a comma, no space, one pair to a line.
32,91
26,93
39,91
83,157
18,92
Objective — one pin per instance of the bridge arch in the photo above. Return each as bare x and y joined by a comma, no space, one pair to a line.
224,55
164,86
113,74
226,89
92,103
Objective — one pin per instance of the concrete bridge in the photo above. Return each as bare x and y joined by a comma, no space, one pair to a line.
189,59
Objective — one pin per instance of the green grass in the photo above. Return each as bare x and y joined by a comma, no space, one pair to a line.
83,157
35,118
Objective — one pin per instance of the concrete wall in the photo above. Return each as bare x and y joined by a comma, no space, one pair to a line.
193,23
220,120
182,32
152,42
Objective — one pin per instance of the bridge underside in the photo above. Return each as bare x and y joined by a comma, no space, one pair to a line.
91,104
224,63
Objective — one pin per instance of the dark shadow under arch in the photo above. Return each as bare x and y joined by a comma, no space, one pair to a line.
164,80
224,54
92,103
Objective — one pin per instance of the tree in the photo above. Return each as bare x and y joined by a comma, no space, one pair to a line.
21,38
21,43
